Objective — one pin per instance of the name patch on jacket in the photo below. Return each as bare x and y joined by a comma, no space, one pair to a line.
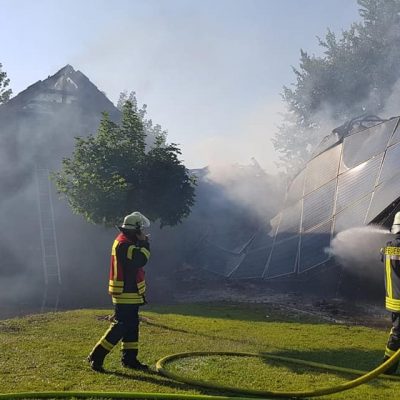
392,251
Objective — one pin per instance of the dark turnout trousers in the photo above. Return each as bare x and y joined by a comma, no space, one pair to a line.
393,343
391,259
126,329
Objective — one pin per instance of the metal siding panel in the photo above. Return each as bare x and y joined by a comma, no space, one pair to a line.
312,247
357,182
363,145
218,261
295,191
290,222
274,225
262,240
318,205
282,260
322,169
391,163
327,142
353,215
253,264
396,136
384,195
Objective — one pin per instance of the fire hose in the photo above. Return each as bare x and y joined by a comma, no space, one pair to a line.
160,367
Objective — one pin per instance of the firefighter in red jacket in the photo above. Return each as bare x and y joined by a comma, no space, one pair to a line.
130,252
391,258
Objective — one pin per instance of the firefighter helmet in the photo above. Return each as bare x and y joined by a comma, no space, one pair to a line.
136,220
396,223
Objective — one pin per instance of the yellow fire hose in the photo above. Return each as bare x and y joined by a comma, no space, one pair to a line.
265,393
160,366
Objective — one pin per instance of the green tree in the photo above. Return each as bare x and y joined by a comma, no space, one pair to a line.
4,82
151,131
356,74
114,172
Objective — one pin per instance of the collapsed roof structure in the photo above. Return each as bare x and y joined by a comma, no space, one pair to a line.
353,179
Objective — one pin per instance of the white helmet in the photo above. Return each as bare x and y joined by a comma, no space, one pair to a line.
136,220
396,223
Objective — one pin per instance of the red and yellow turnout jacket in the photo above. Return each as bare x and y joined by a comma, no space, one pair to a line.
127,284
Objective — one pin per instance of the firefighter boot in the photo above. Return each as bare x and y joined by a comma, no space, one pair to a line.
96,358
129,360
392,369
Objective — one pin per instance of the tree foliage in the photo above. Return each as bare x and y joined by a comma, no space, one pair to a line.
4,82
356,74
114,172
151,131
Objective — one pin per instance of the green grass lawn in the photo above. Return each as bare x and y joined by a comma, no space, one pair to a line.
47,352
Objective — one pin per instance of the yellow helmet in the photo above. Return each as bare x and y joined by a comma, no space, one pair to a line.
396,223
136,220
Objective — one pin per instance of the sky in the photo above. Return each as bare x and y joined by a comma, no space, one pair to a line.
210,71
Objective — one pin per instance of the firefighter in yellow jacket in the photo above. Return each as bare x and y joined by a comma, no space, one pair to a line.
130,252
391,258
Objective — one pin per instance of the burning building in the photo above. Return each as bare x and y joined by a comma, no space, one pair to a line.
351,180
48,255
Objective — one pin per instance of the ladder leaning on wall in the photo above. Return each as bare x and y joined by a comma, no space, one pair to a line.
48,238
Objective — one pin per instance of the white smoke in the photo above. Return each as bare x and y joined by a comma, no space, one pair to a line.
249,137
250,187
392,105
358,250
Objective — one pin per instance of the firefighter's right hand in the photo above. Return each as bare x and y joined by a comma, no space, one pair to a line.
141,236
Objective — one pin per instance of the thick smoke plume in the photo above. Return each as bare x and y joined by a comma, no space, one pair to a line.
249,187
358,251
